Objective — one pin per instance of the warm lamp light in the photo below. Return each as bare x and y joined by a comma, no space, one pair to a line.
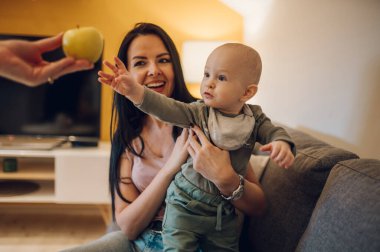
194,56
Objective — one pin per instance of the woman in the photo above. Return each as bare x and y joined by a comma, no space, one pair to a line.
144,156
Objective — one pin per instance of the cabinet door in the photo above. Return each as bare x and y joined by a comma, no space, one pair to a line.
82,179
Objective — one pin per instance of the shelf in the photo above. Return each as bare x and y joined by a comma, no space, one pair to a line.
30,169
26,153
103,149
65,175
45,194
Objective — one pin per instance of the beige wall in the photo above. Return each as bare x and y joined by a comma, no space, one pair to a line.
321,58
182,19
321,68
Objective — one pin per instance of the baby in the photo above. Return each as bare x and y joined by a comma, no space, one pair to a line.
194,204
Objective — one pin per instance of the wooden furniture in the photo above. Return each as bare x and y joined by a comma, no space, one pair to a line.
65,176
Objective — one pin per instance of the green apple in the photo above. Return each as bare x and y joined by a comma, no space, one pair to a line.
83,43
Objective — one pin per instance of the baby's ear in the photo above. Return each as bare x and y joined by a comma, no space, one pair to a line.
250,91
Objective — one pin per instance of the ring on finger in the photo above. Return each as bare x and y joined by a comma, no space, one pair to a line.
50,80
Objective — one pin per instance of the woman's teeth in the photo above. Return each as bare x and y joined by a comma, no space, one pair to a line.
155,85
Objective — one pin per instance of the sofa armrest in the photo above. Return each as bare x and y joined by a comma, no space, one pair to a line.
347,215
291,194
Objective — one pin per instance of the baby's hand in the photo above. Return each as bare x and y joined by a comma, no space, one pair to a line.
280,153
121,80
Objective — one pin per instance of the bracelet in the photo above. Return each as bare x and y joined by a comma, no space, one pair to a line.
238,192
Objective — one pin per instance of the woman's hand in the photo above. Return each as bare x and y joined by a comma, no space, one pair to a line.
215,165
179,153
22,61
122,81
133,218
212,163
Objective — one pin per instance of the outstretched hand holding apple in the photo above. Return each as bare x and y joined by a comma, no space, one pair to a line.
22,61
121,81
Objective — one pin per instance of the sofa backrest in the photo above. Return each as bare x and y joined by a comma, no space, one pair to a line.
291,195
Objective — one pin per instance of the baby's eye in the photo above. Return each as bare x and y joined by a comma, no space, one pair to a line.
139,63
206,75
222,78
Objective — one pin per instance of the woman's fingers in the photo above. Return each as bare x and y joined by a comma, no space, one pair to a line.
50,43
184,137
194,142
201,136
191,151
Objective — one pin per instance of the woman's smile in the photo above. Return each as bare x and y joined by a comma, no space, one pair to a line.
157,86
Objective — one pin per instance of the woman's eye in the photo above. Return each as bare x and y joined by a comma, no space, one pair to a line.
139,63
165,60
222,78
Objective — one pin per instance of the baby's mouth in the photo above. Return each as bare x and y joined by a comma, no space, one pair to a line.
207,95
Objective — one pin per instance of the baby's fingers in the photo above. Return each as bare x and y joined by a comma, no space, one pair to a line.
287,161
110,66
275,154
267,147
290,161
105,75
120,64
105,81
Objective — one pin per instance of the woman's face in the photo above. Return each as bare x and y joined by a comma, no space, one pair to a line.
150,64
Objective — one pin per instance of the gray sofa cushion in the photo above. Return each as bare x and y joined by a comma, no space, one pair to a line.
347,215
292,194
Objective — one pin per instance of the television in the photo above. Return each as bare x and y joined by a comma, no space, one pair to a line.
68,109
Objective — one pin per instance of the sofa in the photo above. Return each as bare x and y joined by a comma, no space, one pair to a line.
329,200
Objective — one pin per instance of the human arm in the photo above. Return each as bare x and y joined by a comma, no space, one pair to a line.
172,111
166,109
214,164
275,140
22,61
133,218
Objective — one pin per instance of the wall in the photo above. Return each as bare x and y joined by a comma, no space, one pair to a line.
321,68
182,19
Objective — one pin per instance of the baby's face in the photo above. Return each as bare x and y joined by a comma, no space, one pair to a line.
224,81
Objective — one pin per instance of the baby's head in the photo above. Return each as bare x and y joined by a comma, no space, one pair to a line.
232,73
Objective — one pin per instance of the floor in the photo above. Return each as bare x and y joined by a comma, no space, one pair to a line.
32,228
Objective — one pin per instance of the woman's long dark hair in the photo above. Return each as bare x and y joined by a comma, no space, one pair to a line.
126,120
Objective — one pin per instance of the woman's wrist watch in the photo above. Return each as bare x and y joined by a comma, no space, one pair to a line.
238,192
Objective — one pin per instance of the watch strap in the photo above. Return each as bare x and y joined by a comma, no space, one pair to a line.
238,191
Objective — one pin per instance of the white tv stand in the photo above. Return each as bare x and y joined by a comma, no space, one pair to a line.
65,175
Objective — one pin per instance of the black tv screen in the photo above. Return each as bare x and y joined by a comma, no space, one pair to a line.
69,107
